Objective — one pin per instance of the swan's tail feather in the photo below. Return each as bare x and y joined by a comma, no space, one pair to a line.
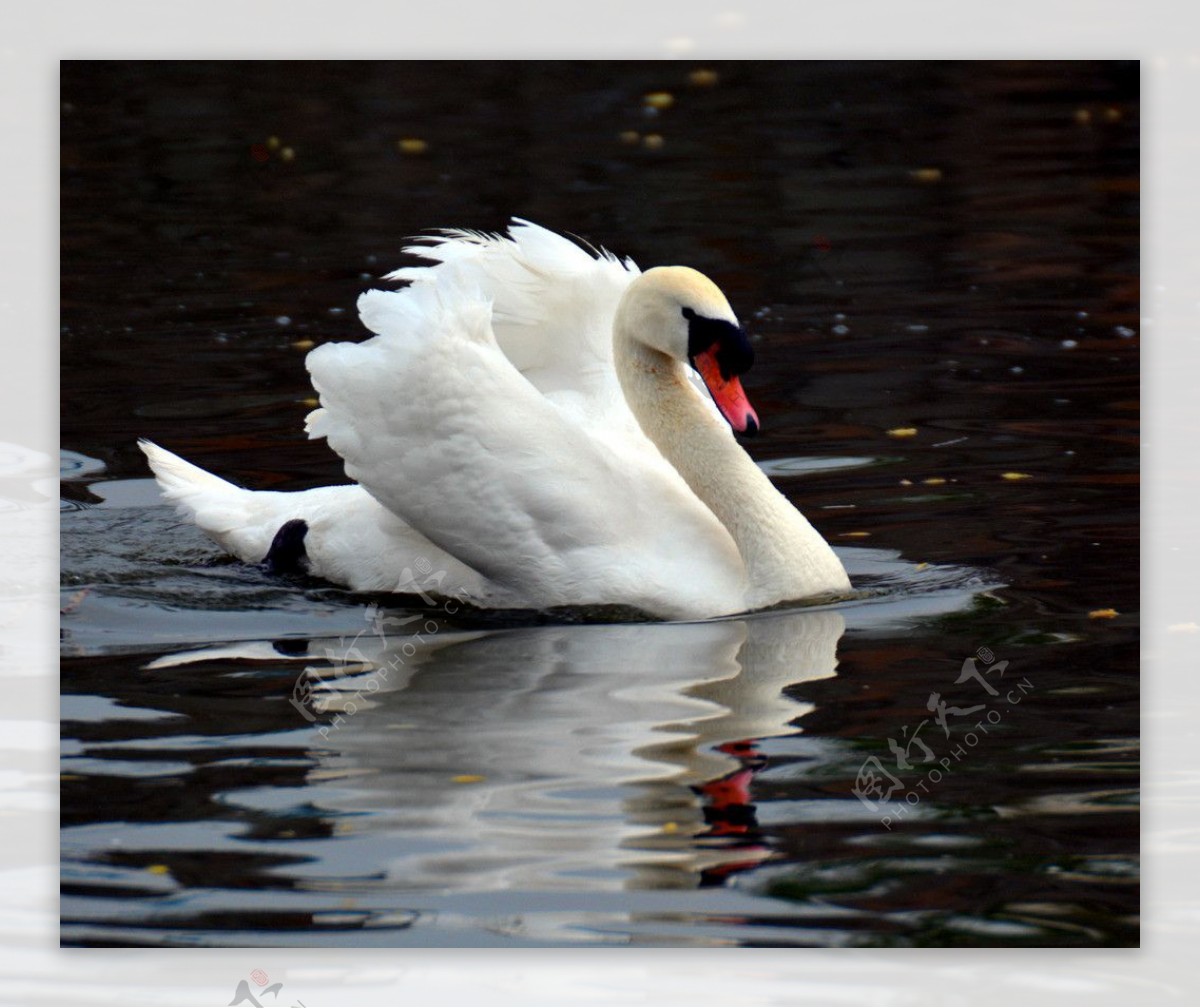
224,512
178,478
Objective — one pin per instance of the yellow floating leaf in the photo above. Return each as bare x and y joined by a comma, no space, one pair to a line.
273,143
158,869
303,344
468,778
921,566
652,141
926,174
659,99
1103,614
287,154
310,401
703,78
670,827
1015,476
412,145
902,432
856,535
934,481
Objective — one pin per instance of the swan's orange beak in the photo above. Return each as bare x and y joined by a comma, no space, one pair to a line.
727,393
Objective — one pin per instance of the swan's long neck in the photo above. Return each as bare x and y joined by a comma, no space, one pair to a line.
785,557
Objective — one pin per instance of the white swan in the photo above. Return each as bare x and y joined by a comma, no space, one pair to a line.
525,430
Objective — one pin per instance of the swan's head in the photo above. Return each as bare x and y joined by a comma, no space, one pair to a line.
681,313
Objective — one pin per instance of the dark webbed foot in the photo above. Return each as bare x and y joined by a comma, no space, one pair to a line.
287,554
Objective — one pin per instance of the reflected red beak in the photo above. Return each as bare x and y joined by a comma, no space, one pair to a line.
727,393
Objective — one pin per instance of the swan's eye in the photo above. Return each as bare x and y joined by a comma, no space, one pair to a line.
688,314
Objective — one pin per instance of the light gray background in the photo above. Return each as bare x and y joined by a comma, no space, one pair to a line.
1162,34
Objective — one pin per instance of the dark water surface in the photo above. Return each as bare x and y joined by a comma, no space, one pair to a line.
949,249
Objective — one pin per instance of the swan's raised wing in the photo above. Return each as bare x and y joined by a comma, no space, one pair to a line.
553,305
438,424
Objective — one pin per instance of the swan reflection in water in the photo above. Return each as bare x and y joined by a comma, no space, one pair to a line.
563,757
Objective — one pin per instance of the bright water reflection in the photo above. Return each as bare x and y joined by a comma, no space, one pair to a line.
585,757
